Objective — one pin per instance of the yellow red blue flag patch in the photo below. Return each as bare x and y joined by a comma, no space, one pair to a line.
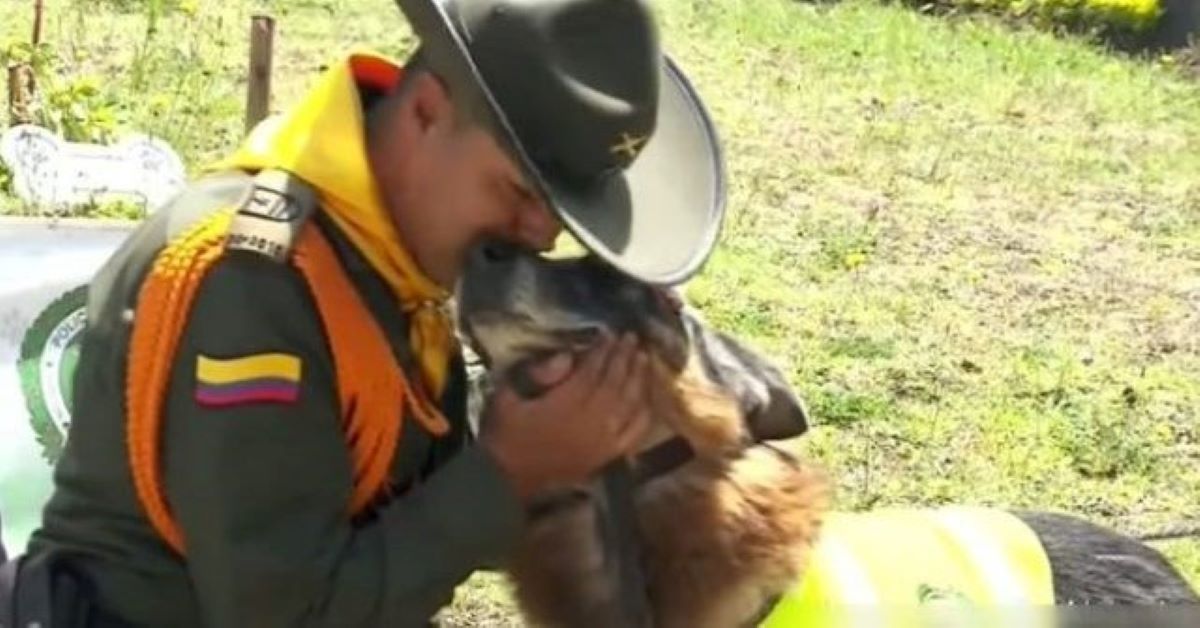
263,377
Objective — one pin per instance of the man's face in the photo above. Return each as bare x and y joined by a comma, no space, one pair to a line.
450,185
487,192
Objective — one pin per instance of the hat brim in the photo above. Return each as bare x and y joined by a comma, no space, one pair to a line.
659,219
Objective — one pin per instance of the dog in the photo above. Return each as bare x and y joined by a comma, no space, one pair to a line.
732,530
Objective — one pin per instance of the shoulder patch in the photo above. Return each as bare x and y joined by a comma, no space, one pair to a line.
255,378
268,221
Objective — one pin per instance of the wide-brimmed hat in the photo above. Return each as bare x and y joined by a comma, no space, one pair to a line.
603,124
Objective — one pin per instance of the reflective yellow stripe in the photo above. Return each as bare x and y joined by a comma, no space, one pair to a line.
896,567
834,581
1009,557
837,588
994,568
852,581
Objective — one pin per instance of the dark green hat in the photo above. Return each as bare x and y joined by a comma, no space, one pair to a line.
603,124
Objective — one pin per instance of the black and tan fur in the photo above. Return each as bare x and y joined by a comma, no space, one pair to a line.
726,532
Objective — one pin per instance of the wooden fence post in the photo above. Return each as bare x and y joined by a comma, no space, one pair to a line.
18,107
38,12
258,94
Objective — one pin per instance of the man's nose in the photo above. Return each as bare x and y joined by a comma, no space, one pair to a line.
540,228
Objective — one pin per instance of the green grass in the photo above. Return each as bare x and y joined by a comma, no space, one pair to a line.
974,250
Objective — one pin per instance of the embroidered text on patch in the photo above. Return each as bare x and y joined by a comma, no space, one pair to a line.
266,377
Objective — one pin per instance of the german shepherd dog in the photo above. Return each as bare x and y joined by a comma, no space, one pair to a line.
725,521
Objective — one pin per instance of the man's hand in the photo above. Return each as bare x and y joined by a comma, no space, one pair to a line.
591,416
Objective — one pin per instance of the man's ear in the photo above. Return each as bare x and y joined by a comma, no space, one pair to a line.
772,409
428,107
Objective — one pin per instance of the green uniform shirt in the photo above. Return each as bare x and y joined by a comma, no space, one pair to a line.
261,491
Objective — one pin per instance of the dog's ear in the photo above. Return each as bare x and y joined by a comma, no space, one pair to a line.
703,414
772,409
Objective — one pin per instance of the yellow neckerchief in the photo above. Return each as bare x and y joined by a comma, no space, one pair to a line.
321,141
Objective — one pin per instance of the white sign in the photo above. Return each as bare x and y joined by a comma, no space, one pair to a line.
52,173
45,268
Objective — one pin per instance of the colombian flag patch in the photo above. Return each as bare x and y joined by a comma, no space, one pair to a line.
264,377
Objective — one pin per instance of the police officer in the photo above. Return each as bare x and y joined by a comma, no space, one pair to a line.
269,416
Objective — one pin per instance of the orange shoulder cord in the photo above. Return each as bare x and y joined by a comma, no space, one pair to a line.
372,388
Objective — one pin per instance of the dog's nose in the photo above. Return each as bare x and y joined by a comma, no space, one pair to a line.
489,262
496,252
494,255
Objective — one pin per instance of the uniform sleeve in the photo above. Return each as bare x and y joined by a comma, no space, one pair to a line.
258,476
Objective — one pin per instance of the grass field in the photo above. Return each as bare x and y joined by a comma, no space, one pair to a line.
976,251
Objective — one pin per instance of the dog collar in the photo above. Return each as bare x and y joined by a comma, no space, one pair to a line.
662,459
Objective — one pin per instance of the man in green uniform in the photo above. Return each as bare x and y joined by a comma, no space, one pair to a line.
229,463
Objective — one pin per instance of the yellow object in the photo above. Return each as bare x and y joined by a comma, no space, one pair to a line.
1137,15
248,368
321,141
896,568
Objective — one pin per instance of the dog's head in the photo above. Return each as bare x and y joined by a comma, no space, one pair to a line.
516,306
